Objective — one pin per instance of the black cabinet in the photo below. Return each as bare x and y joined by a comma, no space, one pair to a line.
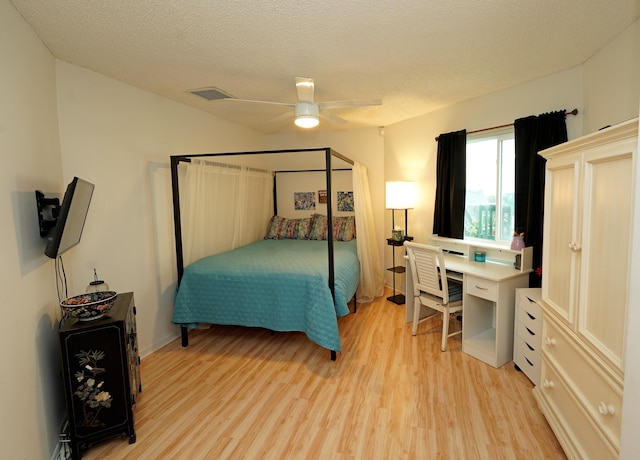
101,371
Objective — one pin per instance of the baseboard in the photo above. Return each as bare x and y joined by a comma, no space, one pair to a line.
155,346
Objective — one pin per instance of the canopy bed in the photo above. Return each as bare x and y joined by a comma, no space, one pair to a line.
298,275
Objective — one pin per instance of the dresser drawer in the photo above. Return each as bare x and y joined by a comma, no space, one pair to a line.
528,334
481,287
569,421
528,360
599,393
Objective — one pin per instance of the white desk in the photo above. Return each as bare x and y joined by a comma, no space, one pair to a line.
488,306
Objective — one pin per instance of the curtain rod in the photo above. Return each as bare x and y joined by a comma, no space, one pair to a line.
573,112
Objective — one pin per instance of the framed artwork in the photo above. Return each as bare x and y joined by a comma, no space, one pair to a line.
304,200
322,196
345,201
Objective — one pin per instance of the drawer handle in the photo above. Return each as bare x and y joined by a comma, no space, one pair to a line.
574,246
530,331
529,347
482,288
531,316
548,384
606,409
550,341
530,363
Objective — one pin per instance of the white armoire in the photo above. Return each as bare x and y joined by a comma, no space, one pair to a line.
585,283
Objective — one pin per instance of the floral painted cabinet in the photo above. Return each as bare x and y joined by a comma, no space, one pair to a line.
101,375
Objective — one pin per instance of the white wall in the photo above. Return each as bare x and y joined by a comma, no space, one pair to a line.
612,81
30,390
120,138
290,183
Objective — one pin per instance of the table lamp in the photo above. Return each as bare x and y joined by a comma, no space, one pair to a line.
400,195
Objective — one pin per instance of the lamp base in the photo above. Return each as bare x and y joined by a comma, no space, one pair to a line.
398,299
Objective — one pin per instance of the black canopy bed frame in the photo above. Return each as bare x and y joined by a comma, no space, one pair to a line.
329,155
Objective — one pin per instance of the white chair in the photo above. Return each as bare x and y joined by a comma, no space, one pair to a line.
431,288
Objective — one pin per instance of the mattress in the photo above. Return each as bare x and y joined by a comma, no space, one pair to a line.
281,285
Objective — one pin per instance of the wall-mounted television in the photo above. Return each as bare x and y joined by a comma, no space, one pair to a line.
68,219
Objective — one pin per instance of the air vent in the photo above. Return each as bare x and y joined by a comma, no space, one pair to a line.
210,94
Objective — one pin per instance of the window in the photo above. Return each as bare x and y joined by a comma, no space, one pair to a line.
490,187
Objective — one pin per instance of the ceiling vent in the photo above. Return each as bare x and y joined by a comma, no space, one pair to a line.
210,94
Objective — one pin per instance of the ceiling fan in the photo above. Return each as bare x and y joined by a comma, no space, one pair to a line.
308,112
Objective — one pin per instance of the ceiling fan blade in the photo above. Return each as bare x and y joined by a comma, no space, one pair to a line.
285,116
256,102
304,87
333,118
351,103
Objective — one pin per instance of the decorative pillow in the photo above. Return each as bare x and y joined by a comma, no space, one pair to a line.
273,230
282,228
302,229
344,228
319,226
295,229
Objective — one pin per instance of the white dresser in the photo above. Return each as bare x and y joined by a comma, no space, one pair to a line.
528,333
585,285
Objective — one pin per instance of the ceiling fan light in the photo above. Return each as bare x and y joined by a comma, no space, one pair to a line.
307,115
307,121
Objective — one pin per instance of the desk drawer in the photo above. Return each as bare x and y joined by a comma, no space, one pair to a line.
482,288
591,384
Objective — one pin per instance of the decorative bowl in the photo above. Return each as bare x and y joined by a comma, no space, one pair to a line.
89,306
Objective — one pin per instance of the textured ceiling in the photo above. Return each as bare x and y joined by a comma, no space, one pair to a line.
415,55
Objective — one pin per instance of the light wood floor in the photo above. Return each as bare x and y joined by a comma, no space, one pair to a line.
240,393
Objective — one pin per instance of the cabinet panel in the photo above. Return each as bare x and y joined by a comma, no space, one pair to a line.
561,216
605,253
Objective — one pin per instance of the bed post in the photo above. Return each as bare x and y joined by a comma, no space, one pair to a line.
177,227
330,224
177,223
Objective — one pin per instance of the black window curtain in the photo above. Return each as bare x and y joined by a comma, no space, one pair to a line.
533,134
451,173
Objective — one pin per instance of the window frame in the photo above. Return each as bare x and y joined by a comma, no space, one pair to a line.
500,135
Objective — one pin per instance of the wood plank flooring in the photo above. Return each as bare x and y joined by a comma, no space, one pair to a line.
242,393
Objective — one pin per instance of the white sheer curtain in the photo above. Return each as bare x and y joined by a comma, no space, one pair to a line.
223,207
371,273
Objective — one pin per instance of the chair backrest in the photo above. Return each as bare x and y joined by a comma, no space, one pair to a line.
428,270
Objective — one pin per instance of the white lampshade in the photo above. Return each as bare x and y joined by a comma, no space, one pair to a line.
400,195
307,115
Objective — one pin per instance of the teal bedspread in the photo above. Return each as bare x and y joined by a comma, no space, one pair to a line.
280,285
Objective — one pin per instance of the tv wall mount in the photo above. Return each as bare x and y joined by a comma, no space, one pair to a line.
48,210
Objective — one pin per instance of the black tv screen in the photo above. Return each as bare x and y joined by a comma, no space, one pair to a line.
71,218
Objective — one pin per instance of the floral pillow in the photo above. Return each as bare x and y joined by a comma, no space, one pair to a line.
343,228
295,229
274,228
282,228
319,226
